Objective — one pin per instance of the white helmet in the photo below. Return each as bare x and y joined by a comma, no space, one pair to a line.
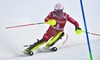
58,6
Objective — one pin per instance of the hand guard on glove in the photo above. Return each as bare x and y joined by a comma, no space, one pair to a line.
78,30
51,22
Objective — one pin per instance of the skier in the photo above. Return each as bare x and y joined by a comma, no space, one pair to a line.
55,30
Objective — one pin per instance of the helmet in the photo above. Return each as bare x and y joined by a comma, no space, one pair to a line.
58,8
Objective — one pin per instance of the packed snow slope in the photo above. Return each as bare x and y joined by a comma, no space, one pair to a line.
18,12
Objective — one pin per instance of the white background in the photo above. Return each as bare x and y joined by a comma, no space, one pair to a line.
18,12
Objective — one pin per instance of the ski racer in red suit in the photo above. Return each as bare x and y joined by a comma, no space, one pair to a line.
54,31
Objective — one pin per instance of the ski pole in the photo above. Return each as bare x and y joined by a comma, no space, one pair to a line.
25,25
65,39
50,22
92,33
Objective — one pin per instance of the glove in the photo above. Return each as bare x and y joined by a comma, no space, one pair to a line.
78,30
51,22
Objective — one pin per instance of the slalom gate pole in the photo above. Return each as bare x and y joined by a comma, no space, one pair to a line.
92,33
88,42
24,25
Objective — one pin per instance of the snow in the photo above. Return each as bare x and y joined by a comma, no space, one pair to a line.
31,11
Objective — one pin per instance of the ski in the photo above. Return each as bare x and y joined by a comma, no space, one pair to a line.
27,52
53,49
30,53
43,50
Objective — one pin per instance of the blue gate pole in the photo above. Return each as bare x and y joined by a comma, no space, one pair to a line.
90,53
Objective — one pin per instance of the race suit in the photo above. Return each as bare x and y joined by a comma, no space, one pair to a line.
60,24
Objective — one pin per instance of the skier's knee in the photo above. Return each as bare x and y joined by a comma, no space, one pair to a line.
62,34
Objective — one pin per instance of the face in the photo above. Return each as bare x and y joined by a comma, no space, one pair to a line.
59,13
